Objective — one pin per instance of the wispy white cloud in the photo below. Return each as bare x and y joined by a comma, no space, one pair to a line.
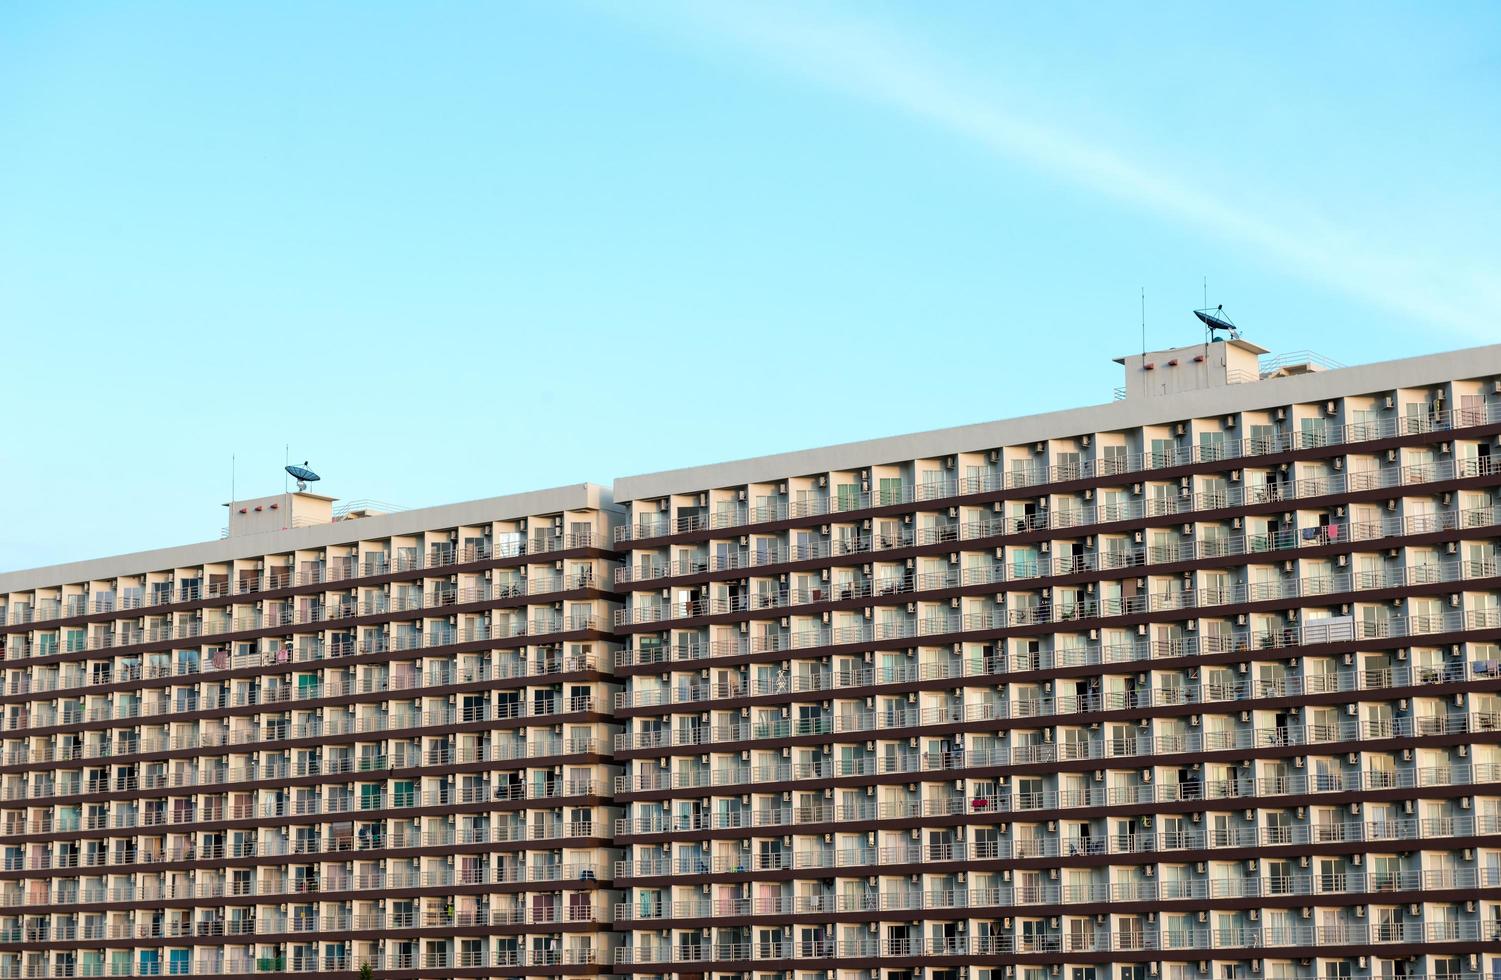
867,61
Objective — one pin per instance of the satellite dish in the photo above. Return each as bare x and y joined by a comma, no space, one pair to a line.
1216,319
302,475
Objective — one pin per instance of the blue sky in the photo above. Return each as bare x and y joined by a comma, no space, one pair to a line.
438,247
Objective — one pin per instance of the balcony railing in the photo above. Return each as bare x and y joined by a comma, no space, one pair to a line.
700,780
1090,940
1005,898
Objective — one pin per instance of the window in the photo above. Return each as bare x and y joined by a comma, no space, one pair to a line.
848,496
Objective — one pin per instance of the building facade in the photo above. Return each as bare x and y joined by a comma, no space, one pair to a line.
1201,683
383,740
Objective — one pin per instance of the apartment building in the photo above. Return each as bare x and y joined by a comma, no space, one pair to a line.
314,745
1204,682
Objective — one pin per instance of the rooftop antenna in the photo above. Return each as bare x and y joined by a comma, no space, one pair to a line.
302,475
1143,321
1208,334
1216,320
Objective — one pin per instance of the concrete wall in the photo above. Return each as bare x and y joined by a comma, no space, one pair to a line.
279,512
